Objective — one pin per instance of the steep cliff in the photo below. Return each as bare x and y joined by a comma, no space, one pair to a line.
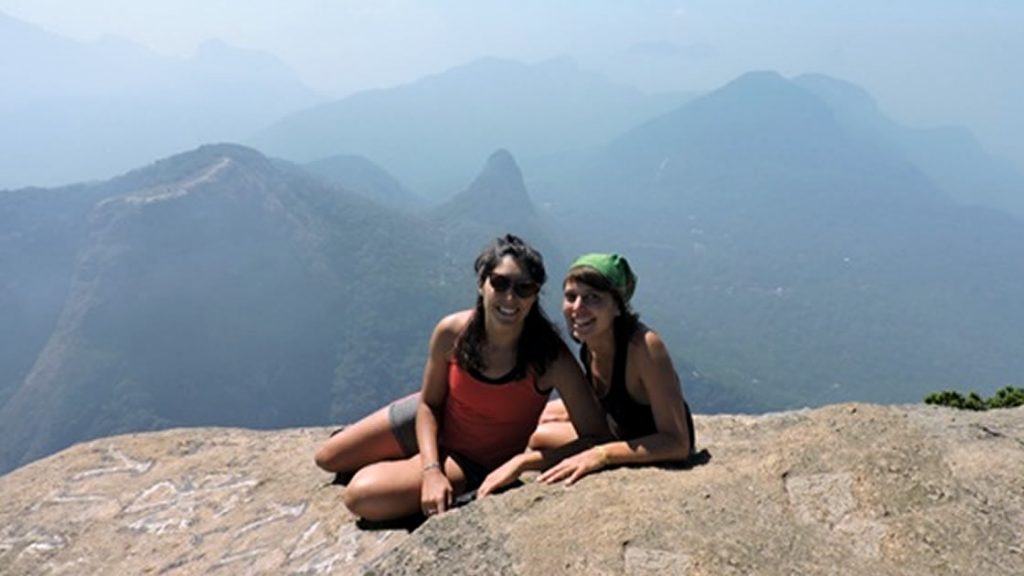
845,489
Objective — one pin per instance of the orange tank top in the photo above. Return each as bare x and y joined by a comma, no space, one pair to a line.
489,422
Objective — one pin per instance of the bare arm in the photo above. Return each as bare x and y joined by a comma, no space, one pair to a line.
670,442
585,411
436,492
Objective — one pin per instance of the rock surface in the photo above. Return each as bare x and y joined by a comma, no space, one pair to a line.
186,501
845,489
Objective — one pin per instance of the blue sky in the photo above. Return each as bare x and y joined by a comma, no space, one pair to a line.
926,61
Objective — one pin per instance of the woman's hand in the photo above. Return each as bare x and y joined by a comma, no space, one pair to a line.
501,476
575,467
436,493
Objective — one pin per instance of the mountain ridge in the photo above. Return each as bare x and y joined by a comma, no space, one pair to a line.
238,267
949,155
464,112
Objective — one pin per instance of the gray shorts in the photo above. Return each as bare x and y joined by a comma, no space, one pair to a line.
402,417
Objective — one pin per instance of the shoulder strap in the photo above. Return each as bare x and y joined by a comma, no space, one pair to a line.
585,360
621,354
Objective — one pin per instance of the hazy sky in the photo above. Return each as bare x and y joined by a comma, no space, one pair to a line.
926,61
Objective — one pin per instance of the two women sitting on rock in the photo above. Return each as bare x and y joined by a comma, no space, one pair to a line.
484,396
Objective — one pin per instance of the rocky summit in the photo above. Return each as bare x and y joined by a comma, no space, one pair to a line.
846,489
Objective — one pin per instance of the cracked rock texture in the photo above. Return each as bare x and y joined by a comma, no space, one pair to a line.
848,489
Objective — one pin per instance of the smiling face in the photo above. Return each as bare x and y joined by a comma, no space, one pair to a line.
508,306
589,312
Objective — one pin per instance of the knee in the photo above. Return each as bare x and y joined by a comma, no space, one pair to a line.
358,496
551,435
324,459
535,442
351,498
335,455
541,438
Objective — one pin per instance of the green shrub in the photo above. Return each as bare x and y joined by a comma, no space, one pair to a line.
1008,397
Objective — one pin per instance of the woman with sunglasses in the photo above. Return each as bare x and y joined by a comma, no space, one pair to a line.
630,372
487,378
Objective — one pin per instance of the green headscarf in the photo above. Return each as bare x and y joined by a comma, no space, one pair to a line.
614,268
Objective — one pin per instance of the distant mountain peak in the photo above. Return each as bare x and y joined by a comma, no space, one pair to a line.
500,180
208,154
760,77
180,189
755,113
498,189
183,172
767,90
501,165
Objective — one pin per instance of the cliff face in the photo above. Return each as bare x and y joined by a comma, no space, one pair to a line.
846,489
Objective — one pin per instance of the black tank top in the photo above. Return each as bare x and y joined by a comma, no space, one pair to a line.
627,418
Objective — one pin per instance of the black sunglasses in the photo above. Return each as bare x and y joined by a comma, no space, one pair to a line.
522,288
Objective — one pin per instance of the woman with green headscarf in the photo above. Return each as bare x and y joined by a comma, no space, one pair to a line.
630,371
488,374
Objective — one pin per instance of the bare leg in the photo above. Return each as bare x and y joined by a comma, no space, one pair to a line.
552,435
554,428
365,442
554,411
389,490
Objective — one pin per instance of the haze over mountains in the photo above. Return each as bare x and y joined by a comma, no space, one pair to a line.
72,111
794,245
431,133
950,156
799,260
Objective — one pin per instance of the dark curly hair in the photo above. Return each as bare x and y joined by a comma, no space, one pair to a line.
540,343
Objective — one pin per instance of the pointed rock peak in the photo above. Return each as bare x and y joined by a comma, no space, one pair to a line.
502,165
500,179
498,187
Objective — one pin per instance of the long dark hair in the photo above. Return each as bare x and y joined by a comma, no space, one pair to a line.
539,343
628,321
